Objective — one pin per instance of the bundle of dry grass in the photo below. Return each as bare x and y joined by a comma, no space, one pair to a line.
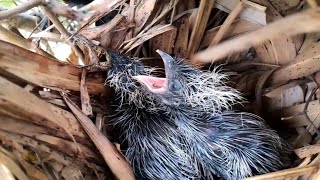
54,105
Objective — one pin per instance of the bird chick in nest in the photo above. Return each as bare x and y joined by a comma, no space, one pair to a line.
231,145
149,137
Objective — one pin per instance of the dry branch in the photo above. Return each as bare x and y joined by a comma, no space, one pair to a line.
19,9
43,71
17,102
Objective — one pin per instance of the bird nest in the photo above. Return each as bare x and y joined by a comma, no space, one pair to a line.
55,106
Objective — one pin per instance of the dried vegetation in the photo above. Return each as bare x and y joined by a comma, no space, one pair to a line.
54,110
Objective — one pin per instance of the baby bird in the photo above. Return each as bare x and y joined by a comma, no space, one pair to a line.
222,143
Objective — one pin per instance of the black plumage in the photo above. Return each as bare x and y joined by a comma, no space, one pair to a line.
182,126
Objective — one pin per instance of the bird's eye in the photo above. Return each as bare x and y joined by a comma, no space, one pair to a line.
175,85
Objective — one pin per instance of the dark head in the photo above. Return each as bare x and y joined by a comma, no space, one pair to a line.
186,85
120,77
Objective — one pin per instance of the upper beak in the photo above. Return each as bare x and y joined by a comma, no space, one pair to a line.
168,63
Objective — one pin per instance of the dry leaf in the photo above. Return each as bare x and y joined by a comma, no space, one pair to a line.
304,64
142,12
181,44
12,166
307,151
43,71
92,33
100,8
85,98
156,30
252,12
304,22
116,162
239,26
203,14
164,42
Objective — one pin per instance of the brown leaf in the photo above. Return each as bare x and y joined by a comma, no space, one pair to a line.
307,151
253,12
227,23
12,166
280,50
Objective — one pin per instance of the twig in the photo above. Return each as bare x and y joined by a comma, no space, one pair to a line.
65,34
19,9
225,26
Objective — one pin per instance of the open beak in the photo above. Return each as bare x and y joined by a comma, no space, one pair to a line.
156,84
168,62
